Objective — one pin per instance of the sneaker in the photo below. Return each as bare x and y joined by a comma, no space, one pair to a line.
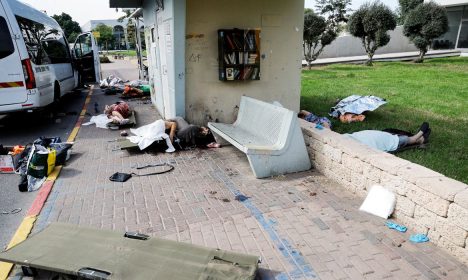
124,121
170,150
424,127
426,135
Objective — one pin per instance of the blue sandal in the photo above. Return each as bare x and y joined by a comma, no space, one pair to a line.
418,238
395,226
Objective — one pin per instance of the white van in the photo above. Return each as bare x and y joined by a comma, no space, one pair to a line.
36,65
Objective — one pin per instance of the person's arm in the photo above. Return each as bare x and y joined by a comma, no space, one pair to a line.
173,127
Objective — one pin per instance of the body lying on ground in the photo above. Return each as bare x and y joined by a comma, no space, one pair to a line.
118,112
175,132
389,142
310,117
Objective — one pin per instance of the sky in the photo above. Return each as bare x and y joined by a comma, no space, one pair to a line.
85,10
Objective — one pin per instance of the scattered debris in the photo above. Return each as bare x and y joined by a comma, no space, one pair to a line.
398,243
213,192
312,193
225,200
13,211
241,197
278,177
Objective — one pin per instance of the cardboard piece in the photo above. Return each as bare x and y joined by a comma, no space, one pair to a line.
379,202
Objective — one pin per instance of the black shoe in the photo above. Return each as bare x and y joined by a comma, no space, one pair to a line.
426,135
424,127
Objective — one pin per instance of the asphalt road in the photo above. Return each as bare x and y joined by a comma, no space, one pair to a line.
24,128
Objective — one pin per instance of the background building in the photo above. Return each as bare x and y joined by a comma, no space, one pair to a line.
121,41
457,36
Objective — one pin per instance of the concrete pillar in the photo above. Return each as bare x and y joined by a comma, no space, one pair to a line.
126,38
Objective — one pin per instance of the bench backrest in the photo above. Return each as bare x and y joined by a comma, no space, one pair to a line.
265,120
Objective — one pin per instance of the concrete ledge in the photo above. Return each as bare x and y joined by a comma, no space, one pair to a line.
427,201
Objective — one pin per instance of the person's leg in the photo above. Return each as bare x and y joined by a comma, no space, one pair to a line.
118,118
417,138
170,148
117,115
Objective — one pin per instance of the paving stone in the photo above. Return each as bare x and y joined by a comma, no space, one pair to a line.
320,223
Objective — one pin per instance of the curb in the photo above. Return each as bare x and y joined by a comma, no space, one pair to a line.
27,224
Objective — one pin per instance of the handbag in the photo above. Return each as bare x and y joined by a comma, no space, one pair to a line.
123,177
120,177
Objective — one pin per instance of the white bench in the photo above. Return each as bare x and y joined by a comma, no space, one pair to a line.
269,135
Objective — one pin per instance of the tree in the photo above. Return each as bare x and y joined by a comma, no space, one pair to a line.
370,23
73,37
335,11
405,7
323,27
105,34
423,24
70,27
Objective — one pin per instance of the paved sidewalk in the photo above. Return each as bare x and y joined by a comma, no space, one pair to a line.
302,225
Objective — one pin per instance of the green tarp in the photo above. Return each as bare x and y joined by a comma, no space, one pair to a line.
67,248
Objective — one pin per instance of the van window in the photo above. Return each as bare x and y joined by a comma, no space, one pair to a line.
45,45
83,46
56,50
6,42
33,32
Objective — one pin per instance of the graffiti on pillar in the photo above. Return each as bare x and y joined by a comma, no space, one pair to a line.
194,57
196,44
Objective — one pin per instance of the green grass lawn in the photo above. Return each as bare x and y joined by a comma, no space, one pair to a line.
435,91
123,52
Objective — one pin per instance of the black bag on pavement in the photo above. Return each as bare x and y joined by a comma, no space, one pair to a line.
120,177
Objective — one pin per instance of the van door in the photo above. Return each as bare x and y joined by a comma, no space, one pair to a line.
12,86
86,58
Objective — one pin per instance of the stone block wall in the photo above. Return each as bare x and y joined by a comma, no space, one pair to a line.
427,201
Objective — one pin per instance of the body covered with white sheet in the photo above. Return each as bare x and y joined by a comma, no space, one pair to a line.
148,134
